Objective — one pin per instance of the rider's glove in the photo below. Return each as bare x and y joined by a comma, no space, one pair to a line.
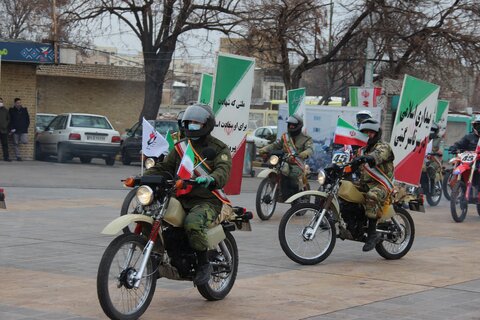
363,159
303,155
205,181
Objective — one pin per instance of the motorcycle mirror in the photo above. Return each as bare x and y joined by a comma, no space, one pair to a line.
209,154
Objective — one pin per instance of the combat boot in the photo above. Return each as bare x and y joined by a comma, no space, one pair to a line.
372,236
204,269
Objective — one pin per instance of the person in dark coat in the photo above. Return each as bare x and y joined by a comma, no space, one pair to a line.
19,123
4,123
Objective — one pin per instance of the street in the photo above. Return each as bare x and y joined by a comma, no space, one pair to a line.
50,246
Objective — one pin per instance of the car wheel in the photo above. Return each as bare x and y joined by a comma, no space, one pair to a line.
39,155
110,161
126,158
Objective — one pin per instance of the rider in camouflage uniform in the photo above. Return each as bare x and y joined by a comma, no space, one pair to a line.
376,178
434,165
297,144
201,203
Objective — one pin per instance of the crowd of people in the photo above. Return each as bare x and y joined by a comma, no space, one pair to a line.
14,123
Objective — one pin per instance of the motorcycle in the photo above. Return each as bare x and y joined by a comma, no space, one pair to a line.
159,248
449,178
431,182
269,192
462,192
3,204
308,231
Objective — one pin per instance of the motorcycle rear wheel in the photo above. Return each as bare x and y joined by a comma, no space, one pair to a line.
458,202
266,200
117,297
224,272
434,199
447,188
290,233
399,236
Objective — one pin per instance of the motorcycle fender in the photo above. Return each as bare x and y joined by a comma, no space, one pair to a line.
314,193
461,169
265,173
121,222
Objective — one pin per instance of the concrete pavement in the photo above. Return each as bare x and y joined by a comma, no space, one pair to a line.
50,246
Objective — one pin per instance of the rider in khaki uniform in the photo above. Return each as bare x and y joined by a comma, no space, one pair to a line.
376,173
297,144
204,201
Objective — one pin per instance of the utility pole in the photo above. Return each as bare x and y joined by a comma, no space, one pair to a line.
55,31
369,65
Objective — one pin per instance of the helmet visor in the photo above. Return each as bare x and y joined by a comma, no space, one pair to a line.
362,117
476,126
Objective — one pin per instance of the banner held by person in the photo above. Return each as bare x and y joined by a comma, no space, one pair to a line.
415,116
296,101
205,92
153,143
231,105
347,134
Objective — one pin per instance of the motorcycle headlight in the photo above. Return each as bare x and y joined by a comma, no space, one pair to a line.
321,177
273,160
145,195
149,163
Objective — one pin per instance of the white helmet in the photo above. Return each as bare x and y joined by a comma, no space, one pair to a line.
370,124
363,115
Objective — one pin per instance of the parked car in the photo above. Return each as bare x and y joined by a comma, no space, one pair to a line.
263,136
42,120
132,143
80,135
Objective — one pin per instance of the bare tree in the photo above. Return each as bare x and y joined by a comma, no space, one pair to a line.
158,25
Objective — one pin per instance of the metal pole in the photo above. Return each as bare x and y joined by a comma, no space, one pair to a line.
369,65
55,37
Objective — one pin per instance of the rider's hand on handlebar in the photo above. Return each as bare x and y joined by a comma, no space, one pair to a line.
204,181
291,159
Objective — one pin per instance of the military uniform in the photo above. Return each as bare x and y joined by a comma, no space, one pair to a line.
304,148
376,193
434,165
201,205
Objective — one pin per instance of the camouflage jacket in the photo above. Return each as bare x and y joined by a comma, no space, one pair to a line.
220,165
303,143
383,155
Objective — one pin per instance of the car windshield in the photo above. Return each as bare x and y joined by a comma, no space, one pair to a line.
84,121
163,126
43,121
274,131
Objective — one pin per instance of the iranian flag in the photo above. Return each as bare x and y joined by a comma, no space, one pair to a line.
364,97
171,143
347,134
185,170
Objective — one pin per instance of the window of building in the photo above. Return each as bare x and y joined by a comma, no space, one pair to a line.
276,93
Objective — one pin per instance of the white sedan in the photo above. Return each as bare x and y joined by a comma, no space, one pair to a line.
263,136
80,135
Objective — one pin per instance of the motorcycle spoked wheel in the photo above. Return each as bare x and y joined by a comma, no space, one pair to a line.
458,202
266,201
446,186
290,233
434,199
116,294
130,205
399,237
224,272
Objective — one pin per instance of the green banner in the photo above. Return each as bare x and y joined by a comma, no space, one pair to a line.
296,101
441,116
205,92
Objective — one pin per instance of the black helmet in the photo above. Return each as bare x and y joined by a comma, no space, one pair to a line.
201,113
294,125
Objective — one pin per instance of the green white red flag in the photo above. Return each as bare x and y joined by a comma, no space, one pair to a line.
171,143
347,134
185,170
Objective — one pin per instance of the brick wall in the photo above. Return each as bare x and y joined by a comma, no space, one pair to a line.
120,100
19,81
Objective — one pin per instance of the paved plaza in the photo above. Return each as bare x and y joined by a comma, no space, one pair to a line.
50,247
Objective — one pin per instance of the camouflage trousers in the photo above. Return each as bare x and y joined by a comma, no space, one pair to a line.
197,223
375,200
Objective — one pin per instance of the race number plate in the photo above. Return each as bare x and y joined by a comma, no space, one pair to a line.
468,157
340,158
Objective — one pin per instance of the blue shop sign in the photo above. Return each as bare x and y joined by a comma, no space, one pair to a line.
32,52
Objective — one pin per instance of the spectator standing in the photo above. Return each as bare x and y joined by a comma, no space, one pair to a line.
4,123
19,123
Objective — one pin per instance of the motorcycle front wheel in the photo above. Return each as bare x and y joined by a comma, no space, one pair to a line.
117,295
397,235
458,202
434,198
224,270
446,184
293,234
130,205
266,200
